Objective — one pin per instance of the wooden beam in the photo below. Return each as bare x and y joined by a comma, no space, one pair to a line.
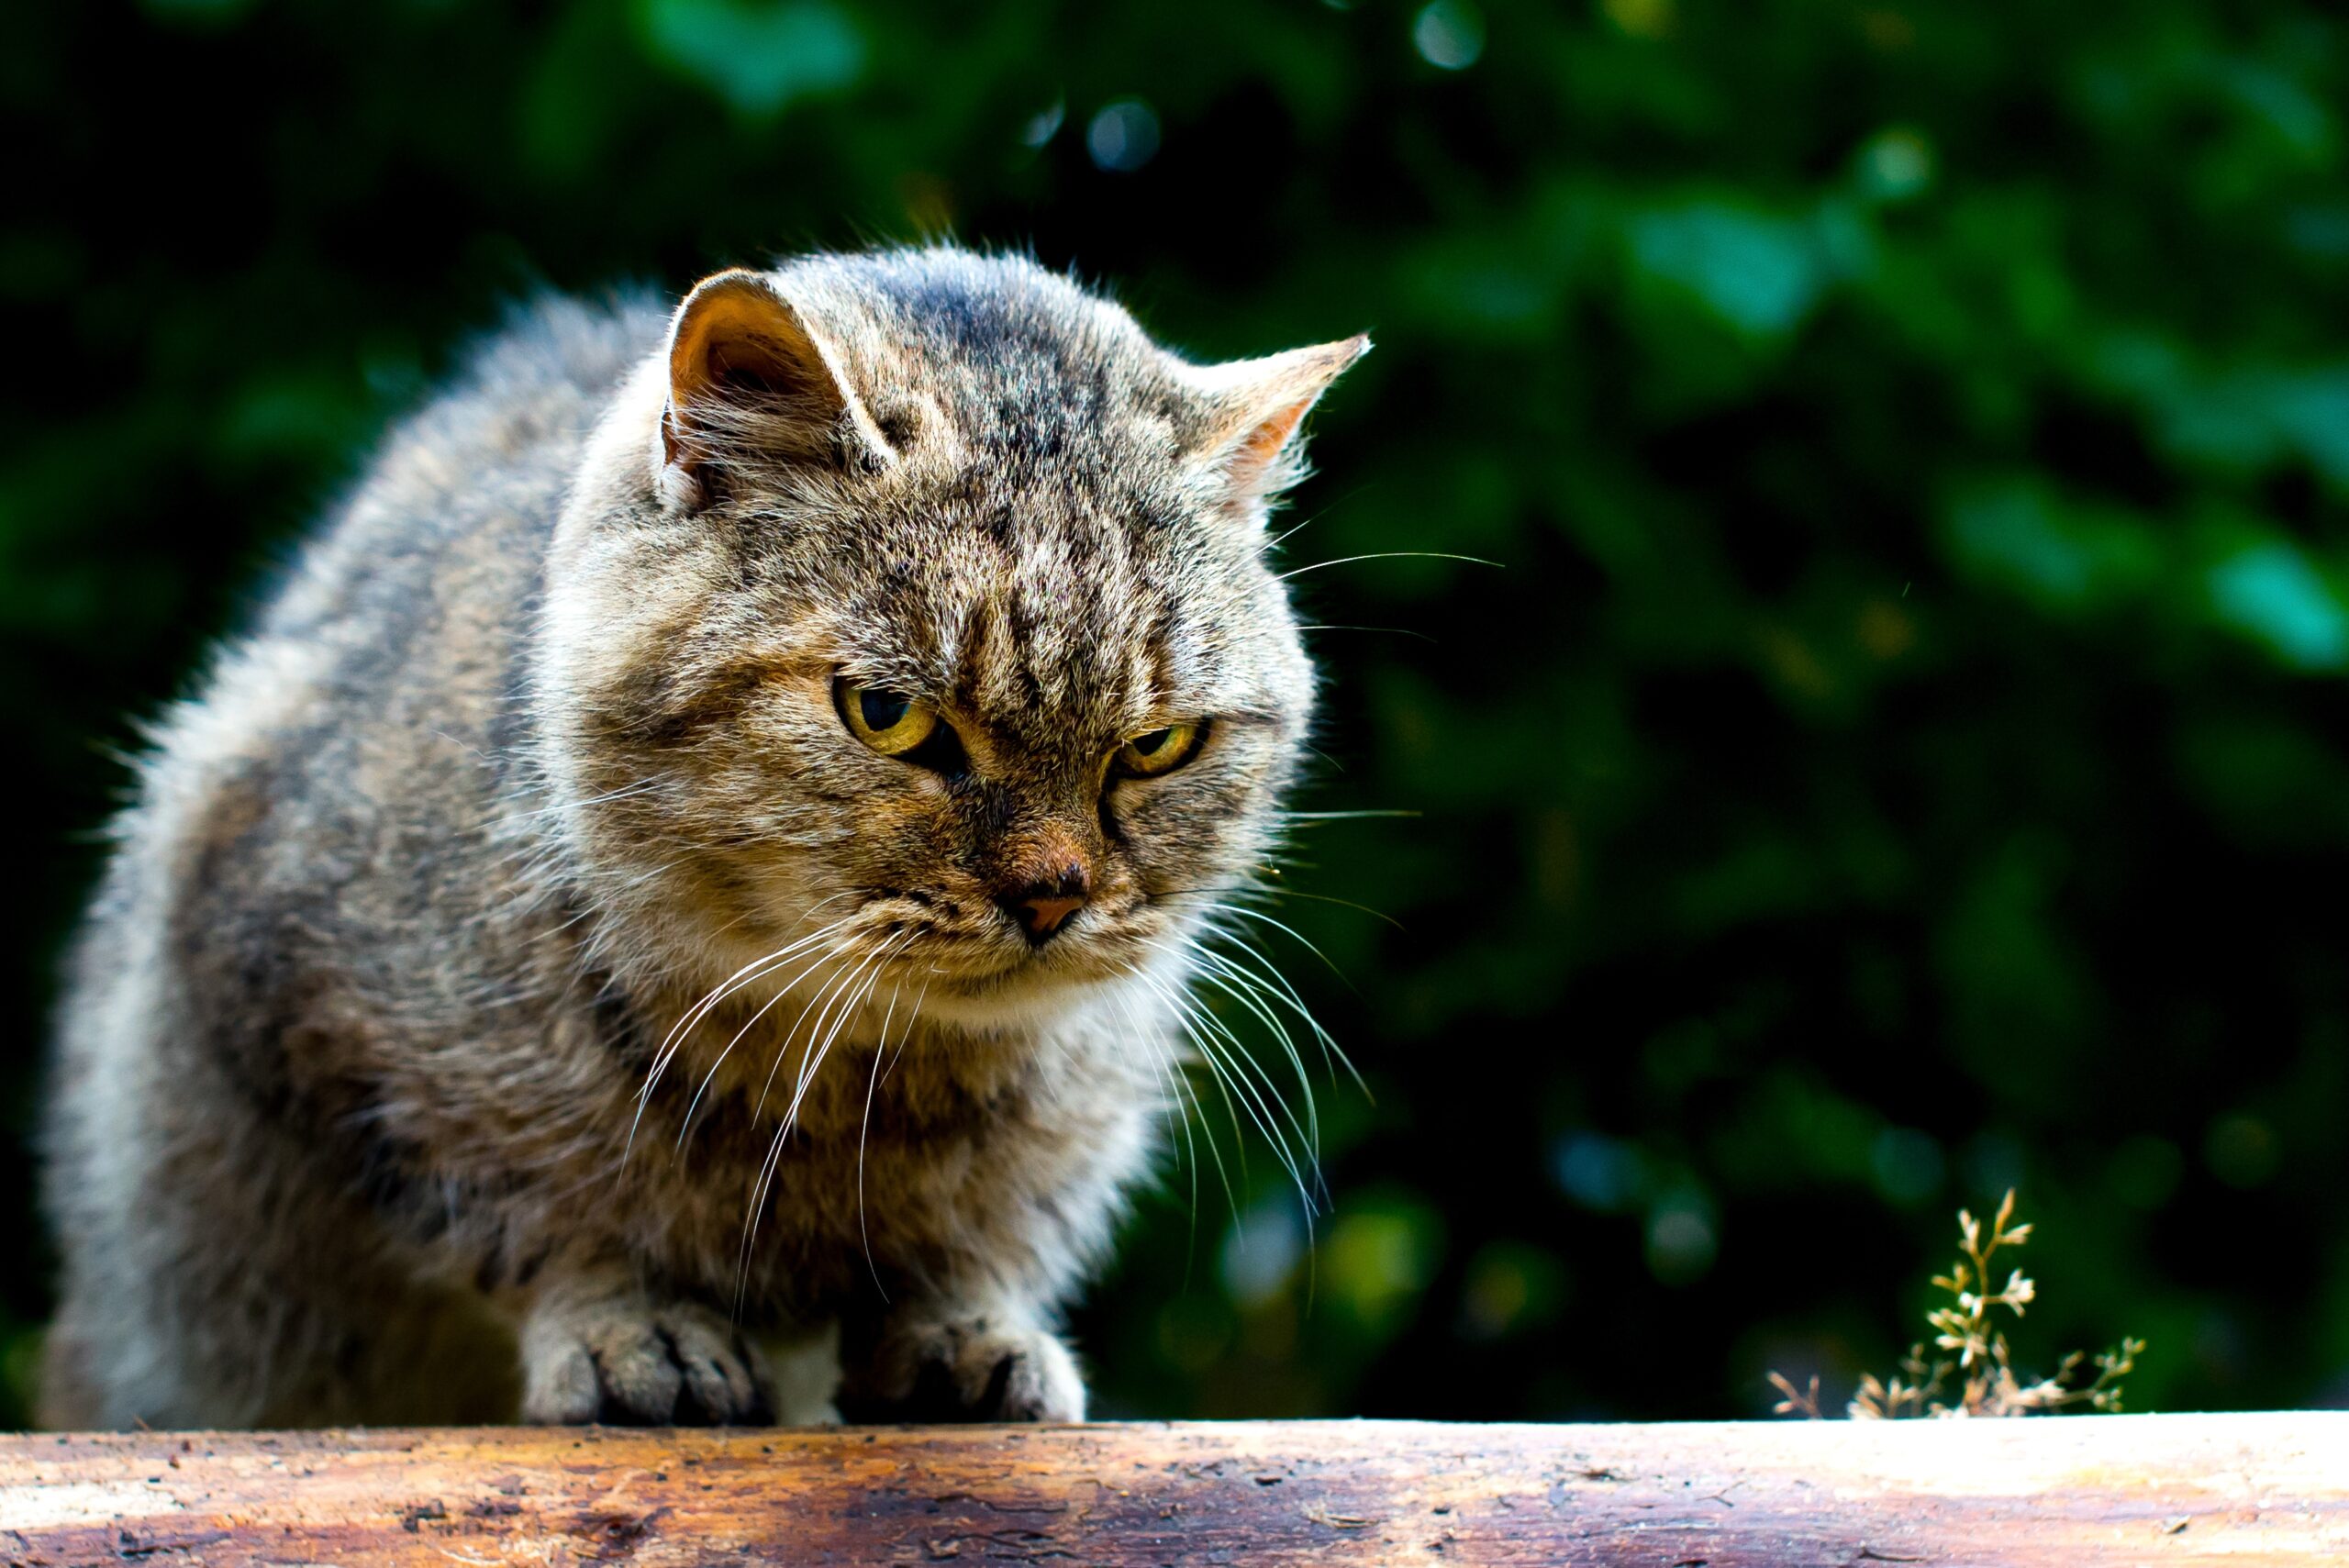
2265,1489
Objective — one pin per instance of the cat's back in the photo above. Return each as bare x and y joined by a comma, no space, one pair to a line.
312,810
372,708
473,479
404,609
377,709
372,705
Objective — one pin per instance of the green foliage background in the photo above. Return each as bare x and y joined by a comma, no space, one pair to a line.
1903,751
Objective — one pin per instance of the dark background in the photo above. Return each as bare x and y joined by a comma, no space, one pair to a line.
1901,752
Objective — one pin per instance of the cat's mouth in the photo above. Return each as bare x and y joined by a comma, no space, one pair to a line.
990,962
972,940
967,960
1001,964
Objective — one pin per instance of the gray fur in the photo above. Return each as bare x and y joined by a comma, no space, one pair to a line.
456,853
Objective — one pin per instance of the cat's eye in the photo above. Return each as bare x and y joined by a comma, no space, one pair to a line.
890,722
1160,752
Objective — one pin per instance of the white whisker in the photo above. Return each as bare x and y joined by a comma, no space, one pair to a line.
686,1125
835,993
750,973
1387,555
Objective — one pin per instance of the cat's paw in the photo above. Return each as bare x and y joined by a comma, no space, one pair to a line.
973,1368
629,1363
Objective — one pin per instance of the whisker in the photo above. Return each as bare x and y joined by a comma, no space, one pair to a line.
1232,1110
750,973
1212,1036
1278,894
1326,898
686,1127
837,990
1388,555
1245,995
864,1134
832,987
1182,1112
814,1058
1299,527
1341,816
1391,630
1332,1054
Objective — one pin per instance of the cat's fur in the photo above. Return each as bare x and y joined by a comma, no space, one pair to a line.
538,747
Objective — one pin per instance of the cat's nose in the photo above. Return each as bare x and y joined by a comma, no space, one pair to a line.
1044,906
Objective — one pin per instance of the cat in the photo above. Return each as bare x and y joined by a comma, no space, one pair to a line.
709,843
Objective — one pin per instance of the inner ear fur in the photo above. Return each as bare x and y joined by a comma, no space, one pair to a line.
747,378
1258,406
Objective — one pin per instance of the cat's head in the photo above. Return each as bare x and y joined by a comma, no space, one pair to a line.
912,621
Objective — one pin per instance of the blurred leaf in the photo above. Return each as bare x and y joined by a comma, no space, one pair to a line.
2068,554
2271,592
759,56
1757,272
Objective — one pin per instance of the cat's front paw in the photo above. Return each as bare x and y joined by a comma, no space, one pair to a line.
629,1363
973,1368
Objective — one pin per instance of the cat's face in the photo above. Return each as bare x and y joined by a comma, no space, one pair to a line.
936,657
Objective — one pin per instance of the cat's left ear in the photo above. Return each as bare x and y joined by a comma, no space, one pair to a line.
1257,408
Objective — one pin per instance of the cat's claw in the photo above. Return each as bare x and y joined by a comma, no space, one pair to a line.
966,1369
627,1364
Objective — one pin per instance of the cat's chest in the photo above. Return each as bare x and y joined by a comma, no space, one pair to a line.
887,1166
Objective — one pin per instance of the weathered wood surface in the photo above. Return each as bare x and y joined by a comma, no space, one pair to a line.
2159,1489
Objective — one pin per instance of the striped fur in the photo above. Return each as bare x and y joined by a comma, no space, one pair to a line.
513,989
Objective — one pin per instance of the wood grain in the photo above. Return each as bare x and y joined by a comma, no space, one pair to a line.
2254,1489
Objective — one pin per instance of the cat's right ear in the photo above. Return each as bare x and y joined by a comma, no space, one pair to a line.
749,381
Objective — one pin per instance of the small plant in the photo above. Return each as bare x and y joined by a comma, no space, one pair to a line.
1984,1369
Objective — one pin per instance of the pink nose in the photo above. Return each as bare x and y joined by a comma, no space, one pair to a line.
1042,916
1044,904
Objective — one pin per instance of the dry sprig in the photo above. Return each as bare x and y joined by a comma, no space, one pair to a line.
1971,1346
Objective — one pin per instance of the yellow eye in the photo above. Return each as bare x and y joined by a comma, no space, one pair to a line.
889,722
1160,752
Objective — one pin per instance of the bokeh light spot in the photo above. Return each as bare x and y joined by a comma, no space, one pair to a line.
1449,34
1895,164
1681,1239
1123,136
1193,1333
1642,19
1601,1173
208,11
1755,271
1908,1165
1044,124
1888,30
1379,1259
1510,1286
1261,1251
2241,1151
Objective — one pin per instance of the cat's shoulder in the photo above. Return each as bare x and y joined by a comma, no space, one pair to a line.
546,368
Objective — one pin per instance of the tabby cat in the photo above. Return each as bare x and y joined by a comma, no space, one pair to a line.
708,844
